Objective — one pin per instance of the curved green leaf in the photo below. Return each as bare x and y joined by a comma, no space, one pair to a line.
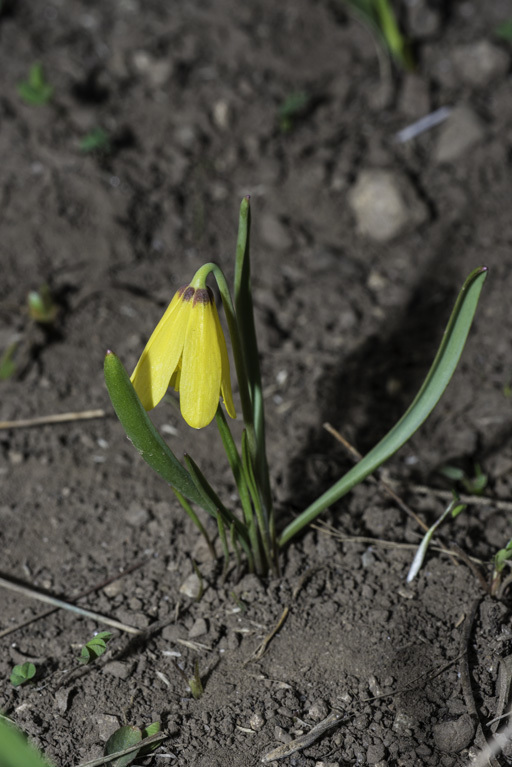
142,433
435,383
15,750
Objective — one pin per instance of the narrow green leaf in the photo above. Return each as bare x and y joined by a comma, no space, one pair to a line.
142,433
247,330
437,380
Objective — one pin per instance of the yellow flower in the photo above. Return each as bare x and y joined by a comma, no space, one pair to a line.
188,351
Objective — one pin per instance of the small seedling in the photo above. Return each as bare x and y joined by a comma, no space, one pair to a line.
292,109
128,736
41,306
195,684
504,30
95,647
502,556
35,90
472,485
454,508
379,17
97,140
7,364
22,673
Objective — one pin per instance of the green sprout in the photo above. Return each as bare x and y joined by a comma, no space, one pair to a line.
292,109
95,647
35,90
41,306
379,17
97,140
502,556
188,351
453,509
7,364
22,673
504,30
473,485
195,684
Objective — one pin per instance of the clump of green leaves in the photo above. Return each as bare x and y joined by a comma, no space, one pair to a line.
292,109
253,532
97,140
128,736
95,647
22,673
379,16
502,556
36,90
473,485
41,305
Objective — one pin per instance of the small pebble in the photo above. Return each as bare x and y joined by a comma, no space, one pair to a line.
191,586
118,670
257,721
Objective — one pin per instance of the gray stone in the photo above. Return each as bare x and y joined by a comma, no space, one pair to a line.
136,515
107,725
191,586
199,629
454,735
385,204
459,133
375,753
479,63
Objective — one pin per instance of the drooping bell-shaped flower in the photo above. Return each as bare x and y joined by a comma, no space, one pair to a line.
188,351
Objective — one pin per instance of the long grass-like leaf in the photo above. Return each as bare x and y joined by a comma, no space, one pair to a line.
142,433
437,380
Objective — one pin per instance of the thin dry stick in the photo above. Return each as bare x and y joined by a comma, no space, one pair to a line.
262,648
24,423
82,594
475,500
326,529
303,741
384,485
28,592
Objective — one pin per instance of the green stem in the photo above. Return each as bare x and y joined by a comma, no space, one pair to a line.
239,474
245,318
195,519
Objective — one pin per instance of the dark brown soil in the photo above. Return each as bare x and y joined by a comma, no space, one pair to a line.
189,94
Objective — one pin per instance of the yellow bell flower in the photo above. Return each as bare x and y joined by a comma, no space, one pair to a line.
188,351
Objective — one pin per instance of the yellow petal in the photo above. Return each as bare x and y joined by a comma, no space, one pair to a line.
225,381
201,364
161,356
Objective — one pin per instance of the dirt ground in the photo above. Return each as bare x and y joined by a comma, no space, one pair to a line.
349,316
